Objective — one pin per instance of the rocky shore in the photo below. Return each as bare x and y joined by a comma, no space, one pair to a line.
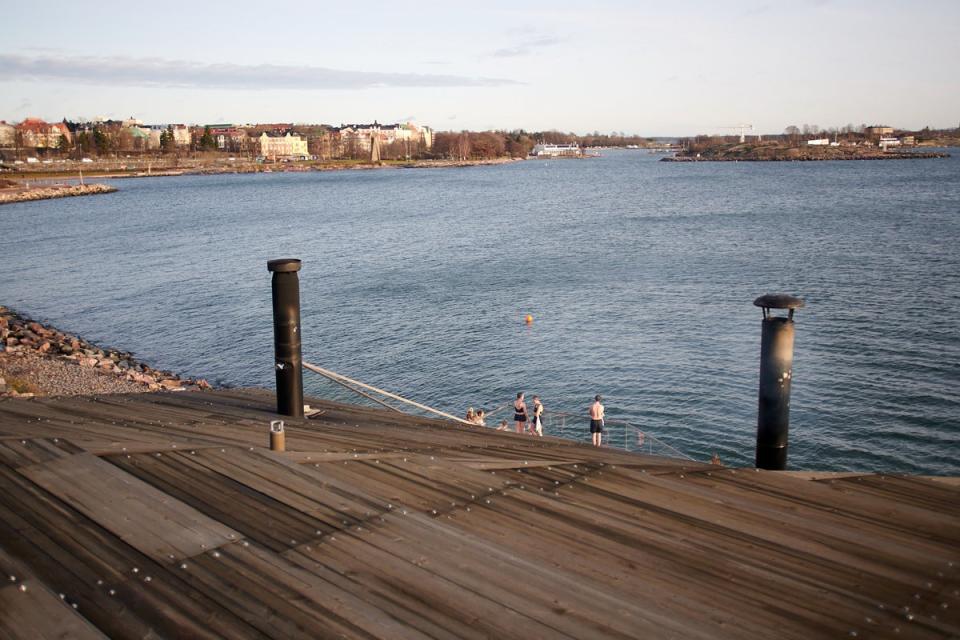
204,168
24,194
38,360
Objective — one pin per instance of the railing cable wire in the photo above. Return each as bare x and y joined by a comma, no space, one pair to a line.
336,377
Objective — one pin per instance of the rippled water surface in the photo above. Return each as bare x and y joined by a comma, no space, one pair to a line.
640,275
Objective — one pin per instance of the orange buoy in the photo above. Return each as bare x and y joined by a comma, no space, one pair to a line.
528,319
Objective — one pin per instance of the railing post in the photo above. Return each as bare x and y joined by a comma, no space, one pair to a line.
286,336
776,375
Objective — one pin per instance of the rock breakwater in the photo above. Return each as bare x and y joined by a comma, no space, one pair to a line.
9,196
36,359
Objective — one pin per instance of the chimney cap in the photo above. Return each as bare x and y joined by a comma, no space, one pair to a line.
283,265
778,301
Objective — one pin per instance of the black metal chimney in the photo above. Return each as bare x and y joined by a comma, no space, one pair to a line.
286,336
776,375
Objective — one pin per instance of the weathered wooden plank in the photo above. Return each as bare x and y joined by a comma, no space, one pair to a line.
18,452
932,496
251,514
145,518
663,558
424,599
116,587
503,535
29,610
310,595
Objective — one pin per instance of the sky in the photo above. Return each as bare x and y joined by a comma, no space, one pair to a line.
653,68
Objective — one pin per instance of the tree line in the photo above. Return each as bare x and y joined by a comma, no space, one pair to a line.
485,145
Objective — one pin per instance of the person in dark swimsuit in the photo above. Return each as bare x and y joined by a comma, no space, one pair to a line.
596,421
520,413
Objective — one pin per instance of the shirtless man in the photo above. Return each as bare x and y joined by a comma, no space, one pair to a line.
596,421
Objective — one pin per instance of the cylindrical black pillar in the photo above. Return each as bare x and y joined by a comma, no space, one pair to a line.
776,374
286,336
773,412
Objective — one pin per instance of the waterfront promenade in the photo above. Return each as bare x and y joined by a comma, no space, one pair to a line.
164,515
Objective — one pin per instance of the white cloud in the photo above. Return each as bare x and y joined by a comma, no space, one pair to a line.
157,72
527,47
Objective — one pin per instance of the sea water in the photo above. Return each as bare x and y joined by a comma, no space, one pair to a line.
639,275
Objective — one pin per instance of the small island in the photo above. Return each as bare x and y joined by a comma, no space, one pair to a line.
877,142
777,151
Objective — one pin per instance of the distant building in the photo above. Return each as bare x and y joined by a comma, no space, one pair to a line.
275,129
889,141
555,150
879,130
819,142
228,137
181,135
360,135
153,142
426,135
908,141
8,135
407,132
140,138
287,146
38,134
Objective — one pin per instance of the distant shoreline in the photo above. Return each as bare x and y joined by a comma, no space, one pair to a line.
778,152
16,190
887,156
205,168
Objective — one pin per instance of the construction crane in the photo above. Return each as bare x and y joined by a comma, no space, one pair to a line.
743,129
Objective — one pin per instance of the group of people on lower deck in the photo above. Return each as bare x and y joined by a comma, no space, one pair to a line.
477,417
525,422
530,421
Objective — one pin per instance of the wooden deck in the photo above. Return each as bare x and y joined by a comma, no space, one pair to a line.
162,515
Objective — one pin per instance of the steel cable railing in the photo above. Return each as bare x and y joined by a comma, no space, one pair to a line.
619,434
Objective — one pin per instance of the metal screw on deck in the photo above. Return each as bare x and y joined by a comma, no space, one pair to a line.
776,374
286,336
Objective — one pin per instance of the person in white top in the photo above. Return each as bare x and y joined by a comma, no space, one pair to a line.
537,413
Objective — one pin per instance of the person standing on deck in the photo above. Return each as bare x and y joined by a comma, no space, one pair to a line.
537,412
520,413
596,421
